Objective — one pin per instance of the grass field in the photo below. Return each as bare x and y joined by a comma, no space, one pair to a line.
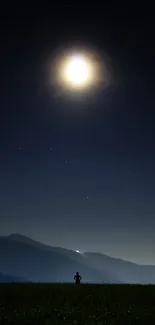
76,304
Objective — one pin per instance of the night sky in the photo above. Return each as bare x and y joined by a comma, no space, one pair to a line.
78,170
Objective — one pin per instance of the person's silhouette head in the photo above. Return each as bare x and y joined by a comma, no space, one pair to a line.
77,273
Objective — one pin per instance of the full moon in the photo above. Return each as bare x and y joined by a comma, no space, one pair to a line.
77,71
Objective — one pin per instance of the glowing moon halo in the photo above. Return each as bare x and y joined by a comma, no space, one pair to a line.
77,71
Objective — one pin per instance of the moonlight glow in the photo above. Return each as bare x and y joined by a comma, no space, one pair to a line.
77,71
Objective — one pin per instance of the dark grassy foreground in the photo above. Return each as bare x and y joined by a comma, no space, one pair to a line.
76,304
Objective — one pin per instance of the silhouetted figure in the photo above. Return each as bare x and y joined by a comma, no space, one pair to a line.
77,278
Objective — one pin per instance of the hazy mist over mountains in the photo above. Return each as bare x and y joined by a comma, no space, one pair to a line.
23,259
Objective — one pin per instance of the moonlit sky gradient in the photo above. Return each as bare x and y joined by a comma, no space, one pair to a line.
78,171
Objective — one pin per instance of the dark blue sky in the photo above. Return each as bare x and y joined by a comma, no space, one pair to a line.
107,138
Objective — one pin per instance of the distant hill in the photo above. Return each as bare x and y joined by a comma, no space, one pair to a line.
8,278
23,257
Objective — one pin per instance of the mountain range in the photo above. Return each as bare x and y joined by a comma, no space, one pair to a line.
25,259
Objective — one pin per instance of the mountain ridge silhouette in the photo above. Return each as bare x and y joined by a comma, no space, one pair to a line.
23,257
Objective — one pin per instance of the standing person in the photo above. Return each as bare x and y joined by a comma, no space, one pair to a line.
77,278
